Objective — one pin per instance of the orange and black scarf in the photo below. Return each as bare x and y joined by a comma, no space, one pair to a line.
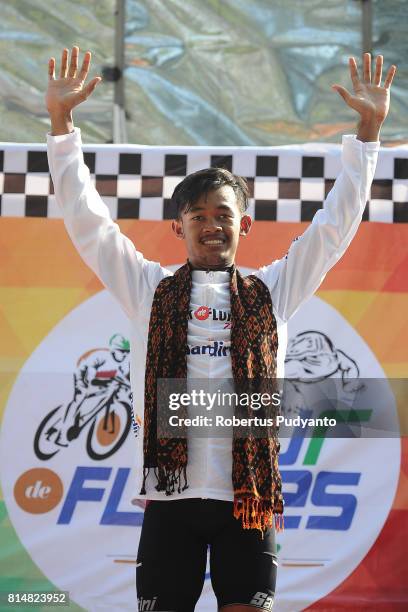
254,342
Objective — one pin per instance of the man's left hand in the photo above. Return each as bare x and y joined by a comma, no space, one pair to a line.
371,99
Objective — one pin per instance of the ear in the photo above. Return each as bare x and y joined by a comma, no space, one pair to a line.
245,225
177,227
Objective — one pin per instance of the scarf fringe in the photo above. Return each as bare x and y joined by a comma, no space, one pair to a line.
167,479
257,514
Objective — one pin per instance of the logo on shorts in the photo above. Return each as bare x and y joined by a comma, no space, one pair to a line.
146,604
262,600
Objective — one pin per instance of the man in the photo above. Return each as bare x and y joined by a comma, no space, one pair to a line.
220,492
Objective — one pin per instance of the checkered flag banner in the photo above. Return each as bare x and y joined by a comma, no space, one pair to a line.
286,183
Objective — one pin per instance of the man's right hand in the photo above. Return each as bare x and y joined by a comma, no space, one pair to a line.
69,90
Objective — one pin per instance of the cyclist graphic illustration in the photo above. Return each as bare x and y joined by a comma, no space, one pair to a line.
101,398
100,366
312,358
311,355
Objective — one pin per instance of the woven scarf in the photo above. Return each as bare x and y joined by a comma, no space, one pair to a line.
254,342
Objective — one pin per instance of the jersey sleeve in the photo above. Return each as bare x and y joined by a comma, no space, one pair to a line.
112,256
295,278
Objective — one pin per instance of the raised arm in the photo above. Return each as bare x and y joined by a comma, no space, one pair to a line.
297,276
109,253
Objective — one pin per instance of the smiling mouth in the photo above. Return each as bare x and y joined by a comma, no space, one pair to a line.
213,241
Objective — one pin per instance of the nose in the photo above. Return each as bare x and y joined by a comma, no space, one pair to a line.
211,225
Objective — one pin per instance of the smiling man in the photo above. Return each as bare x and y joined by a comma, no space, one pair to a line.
206,321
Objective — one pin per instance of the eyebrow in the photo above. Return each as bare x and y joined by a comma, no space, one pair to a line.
219,207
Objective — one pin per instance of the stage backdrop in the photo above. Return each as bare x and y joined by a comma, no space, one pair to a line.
67,520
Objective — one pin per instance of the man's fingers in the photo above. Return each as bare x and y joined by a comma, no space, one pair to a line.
64,63
51,69
85,66
73,66
367,67
90,87
354,72
378,70
346,95
390,75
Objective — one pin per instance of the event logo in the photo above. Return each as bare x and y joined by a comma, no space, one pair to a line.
79,419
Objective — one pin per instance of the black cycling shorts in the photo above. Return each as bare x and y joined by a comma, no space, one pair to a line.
172,557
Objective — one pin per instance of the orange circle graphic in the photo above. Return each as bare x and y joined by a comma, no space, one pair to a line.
38,490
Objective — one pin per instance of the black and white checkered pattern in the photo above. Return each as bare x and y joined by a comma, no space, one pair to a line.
136,182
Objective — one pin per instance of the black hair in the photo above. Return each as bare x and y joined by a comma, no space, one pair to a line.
201,182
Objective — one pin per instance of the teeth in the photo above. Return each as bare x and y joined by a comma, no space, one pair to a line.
213,241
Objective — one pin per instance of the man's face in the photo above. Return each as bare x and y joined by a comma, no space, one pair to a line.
119,355
211,229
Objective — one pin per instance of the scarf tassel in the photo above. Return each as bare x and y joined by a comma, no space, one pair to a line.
167,479
257,514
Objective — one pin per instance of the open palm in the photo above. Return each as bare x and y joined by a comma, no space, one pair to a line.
370,99
69,90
